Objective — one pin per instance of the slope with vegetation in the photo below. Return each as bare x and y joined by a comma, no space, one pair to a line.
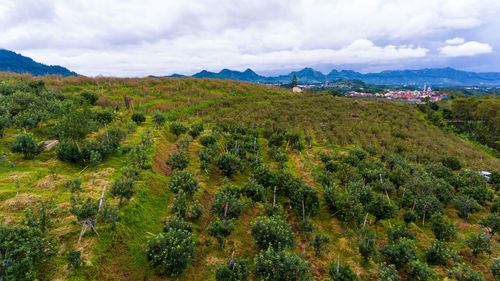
220,180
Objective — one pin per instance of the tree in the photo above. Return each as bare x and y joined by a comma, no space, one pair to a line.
178,161
305,200
185,181
387,272
280,265
341,272
272,232
220,229
179,205
123,189
138,118
399,230
227,202
479,242
319,242
294,81
196,210
495,268
233,270
439,254
366,245
171,251
443,228
463,272
347,207
177,128
400,253
207,140
452,163
27,145
466,205
491,222
420,271
68,151
196,130
229,164
24,250
409,217
90,97
382,208
254,191
159,119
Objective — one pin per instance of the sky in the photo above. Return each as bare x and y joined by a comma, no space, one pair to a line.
131,38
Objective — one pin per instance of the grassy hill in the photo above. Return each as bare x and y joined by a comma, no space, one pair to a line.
312,142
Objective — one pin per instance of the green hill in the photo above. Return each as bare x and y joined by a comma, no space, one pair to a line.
343,173
17,63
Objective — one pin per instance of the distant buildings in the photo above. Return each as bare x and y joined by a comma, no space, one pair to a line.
407,95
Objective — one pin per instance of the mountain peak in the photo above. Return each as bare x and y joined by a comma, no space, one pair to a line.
14,62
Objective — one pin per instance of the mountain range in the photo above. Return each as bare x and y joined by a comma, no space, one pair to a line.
13,62
430,76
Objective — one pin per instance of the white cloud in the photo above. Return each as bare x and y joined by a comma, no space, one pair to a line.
455,41
141,37
468,49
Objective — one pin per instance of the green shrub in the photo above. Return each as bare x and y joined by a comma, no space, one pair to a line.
387,272
185,181
479,242
177,128
382,208
235,270
123,189
491,222
159,119
220,229
68,151
272,232
229,164
400,253
346,207
178,161
439,254
254,191
463,272
196,130
138,117
420,271
280,266
305,197
27,145
179,205
74,259
341,272
452,163
207,140
319,242
232,199
399,230
196,210
409,217
443,228
89,96
366,245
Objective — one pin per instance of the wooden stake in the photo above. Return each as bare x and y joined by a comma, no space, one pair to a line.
274,197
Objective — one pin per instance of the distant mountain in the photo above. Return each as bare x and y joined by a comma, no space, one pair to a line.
13,62
430,76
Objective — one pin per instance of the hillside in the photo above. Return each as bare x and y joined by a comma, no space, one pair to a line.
199,164
17,63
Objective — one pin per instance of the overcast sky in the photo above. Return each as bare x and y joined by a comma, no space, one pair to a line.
139,38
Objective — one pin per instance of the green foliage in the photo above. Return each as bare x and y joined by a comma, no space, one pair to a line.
220,229
229,195
75,125
341,273
74,259
420,271
400,253
207,140
178,161
463,272
295,140
409,217
84,210
387,272
177,223
272,232
439,254
123,189
366,245
254,191
443,228
179,206
319,242
346,207
306,197
491,222
177,128
382,208
196,210
105,116
196,130
495,268
185,181
27,145
229,164
89,96
452,163
68,151
398,231
159,119
479,242
474,185
233,270
171,251
280,265
24,250
465,206
138,117
495,205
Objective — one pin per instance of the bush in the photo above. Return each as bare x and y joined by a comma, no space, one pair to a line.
228,195
196,210
463,272
185,181
254,191
409,217
452,163
27,145
495,268
347,208
420,271
170,252
308,197
342,273
90,97
272,232
74,259
159,119
280,266
123,189
387,272
67,151
196,130
397,231
439,254
177,223
400,253
319,242
220,229
105,116
235,270
229,164
138,117
179,205
479,242
177,128
443,228
178,161
207,140
366,245
382,208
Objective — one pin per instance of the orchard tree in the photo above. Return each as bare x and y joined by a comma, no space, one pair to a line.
341,272
179,205
178,161
185,181
466,205
439,253
409,217
229,164
177,128
400,253
319,242
233,270
366,245
27,145
138,117
491,222
305,200
227,202
479,242
280,265
420,271
90,97
159,119
272,232
382,209
123,189
387,272
443,228
463,272
495,268
220,229
254,191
